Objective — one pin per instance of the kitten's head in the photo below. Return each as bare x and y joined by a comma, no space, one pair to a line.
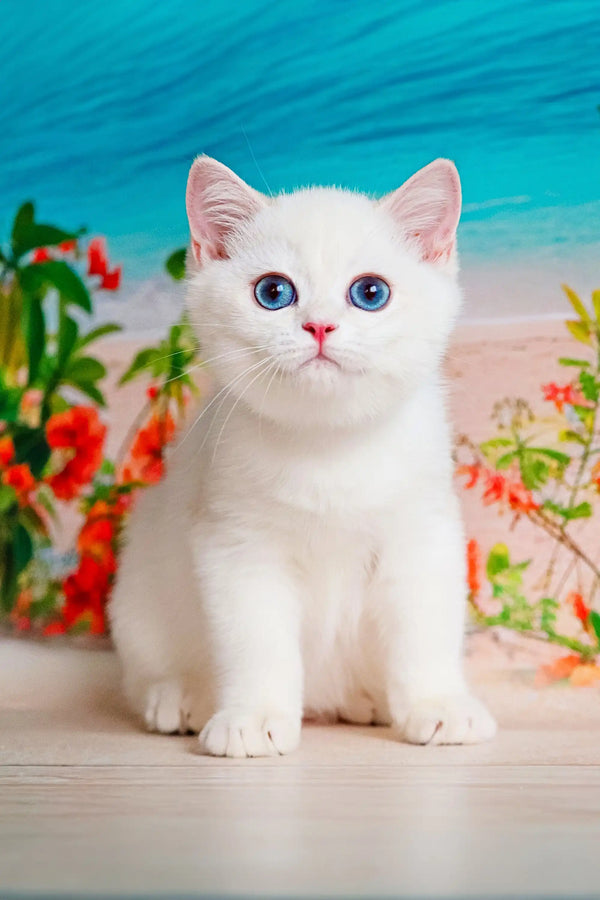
322,306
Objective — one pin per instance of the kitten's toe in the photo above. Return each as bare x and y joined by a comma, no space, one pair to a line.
163,708
448,720
240,734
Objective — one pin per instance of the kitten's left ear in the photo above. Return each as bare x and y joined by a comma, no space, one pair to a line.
427,208
217,202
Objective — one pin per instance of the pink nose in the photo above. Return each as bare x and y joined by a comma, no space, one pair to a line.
319,331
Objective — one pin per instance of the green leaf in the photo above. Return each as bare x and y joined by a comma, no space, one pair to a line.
175,264
567,361
562,458
594,621
487,446
569,435
144,360
84,369
504,461
8,498
596,304
90,390
23,220
35,336
31,447
579,330
95,333
577,304
33,235
585,415
498,560
8,577
22,547
534,472
581,511
67,338
589,386
60,275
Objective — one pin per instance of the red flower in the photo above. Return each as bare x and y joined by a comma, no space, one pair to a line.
111,280
472,472
7,451
80,431
519,498
147,450
579,608
473,567
52,628
595,475
495,487
86,592
67,246
97,258
561,395
152,392
40,255
96,540
21,480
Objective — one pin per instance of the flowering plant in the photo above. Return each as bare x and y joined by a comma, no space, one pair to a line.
52,436
546,471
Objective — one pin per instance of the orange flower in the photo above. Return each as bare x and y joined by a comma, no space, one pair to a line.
579,608
7,451
473,567
557,670
562,395
585,675
595,475
80,432
147,463
19,478
472,472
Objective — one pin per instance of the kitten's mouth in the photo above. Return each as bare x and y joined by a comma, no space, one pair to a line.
320,359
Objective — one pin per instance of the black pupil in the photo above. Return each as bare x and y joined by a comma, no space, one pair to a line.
274,290
370,291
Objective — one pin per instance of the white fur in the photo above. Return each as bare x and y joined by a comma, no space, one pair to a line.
305,553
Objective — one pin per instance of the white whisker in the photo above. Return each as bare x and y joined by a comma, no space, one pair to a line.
230,413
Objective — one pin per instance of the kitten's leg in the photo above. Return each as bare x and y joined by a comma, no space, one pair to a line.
423,609
251,607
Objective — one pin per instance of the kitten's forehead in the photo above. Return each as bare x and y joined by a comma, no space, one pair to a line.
317,219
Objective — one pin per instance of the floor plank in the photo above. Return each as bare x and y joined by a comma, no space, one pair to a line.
91,806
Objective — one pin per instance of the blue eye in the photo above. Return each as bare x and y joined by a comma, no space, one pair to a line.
275,292
369,293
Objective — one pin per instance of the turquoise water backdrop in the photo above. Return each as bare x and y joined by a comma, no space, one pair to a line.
104,105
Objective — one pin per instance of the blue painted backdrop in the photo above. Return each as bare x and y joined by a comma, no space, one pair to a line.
104,105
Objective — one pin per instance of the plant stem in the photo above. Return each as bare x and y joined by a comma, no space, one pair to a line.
548,637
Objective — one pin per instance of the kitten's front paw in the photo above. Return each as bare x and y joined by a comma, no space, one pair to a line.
448,720
239,733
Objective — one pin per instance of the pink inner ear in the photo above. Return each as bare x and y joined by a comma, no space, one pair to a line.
427,208
217,202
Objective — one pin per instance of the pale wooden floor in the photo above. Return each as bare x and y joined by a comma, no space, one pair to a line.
90,805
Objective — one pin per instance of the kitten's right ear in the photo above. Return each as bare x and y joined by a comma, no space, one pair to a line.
217,201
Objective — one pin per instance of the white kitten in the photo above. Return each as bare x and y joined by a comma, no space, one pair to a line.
305,553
